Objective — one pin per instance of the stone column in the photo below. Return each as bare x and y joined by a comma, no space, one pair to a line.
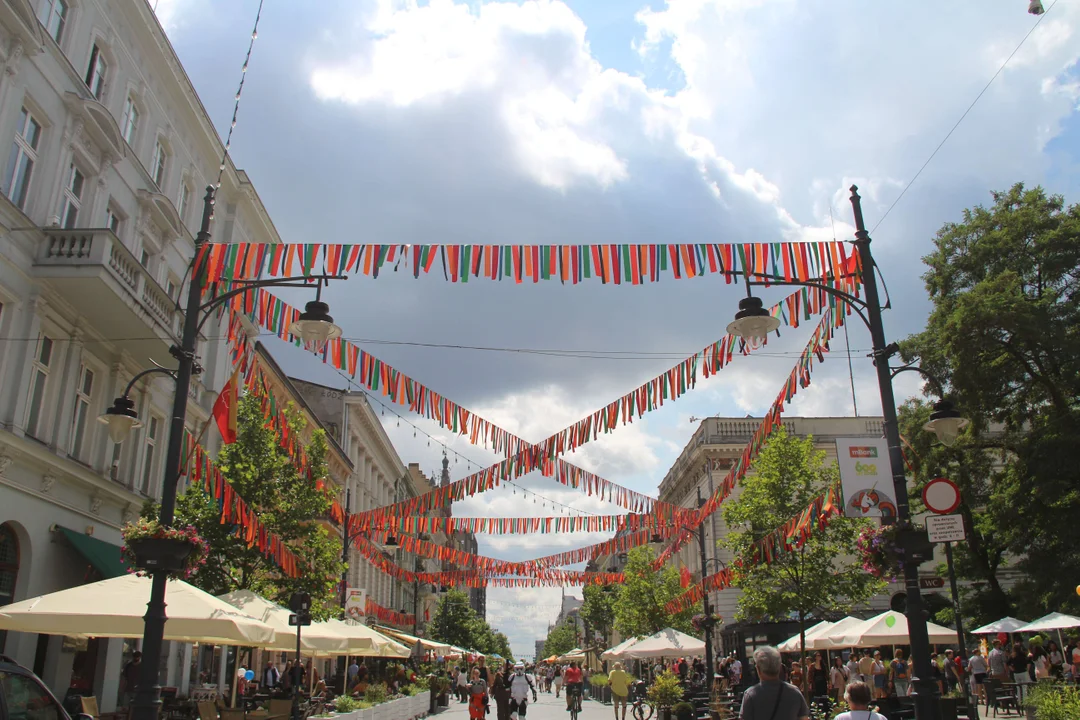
107,673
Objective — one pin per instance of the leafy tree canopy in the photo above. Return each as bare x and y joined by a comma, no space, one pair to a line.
1004,337
819,578
287,503
640,601
598,608
561,639
455,622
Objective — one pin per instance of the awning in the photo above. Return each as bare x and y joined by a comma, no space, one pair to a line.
103,556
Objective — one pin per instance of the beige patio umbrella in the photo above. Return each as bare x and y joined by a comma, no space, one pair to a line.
115,608
794,644
616,652
439,648
315,639
367,642
888,628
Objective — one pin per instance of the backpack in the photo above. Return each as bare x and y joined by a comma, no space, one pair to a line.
900,669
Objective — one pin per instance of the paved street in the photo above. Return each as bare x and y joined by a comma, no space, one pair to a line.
547,707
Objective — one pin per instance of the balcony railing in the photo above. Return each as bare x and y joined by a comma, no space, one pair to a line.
74,253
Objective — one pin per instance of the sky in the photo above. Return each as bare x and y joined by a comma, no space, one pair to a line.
398,121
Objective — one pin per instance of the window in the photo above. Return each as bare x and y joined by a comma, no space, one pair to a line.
9,564
113,219
84,394
148,460
39,379
53,15
23,156
72,202
157,166
171,287
182,202
25,699
97,73
130,120
144,258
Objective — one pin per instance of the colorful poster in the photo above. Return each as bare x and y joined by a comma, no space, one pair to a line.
866,477
355,604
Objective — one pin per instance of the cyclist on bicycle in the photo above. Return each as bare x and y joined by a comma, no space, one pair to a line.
572,681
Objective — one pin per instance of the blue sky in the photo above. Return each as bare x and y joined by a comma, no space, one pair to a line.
694,120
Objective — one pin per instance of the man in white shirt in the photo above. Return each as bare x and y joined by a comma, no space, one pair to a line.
999,667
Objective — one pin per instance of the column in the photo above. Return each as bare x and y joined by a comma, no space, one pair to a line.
107,673
61,432
58,666
185,669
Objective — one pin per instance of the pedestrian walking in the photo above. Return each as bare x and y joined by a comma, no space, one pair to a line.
772,699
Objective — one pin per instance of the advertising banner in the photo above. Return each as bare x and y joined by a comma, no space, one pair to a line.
355,604
866,477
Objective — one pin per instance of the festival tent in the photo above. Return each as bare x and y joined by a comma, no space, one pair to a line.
315,639
666,643
888,628
1053,621
572,655
440,649
824,641
115,608
793,644
1007,625
366,642
616,652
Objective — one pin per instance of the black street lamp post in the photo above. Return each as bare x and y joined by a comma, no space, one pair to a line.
314,326
706,604
753,322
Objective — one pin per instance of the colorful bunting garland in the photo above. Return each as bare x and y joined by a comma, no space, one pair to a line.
509,525
388,617
616,264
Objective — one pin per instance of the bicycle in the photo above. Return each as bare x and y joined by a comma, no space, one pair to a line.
641,708
575,703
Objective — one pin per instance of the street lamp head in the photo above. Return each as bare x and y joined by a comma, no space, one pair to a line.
391,543
753,322
121,419
1035,7
946,423
656,539
315,326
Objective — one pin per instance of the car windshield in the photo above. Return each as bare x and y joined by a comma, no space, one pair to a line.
26,699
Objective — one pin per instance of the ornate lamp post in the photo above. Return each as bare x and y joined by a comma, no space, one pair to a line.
315,327
751,323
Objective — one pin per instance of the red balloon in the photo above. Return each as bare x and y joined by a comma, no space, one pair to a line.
1003,637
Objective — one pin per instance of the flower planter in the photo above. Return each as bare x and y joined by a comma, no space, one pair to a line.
367,714
160,554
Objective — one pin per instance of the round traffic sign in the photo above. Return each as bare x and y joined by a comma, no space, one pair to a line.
941,496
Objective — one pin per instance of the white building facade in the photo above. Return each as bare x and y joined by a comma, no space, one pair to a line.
108,151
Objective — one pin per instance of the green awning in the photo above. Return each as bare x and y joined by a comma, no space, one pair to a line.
103,556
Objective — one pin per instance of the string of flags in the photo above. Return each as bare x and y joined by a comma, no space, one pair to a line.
415,525
387,616
573,264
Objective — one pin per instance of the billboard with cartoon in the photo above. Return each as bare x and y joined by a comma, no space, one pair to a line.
866,477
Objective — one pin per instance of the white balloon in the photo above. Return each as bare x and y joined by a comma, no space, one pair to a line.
241,672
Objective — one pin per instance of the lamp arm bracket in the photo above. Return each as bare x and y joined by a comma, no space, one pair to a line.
301,281
913,366
148,371
856,304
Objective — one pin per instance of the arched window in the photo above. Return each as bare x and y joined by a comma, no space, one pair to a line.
9,569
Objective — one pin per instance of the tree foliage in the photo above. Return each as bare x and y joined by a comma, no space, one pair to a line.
822,577
561,639
639,605
455,622
1004,337
598,608
288,504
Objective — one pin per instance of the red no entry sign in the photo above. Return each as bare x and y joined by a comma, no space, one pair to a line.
941,496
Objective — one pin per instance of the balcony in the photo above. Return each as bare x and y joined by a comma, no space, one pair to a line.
111,290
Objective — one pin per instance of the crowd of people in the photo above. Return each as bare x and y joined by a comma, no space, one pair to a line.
510,688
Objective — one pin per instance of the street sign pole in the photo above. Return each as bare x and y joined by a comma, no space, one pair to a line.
300,604
973,703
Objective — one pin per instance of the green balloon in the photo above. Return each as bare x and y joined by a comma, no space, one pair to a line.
890,621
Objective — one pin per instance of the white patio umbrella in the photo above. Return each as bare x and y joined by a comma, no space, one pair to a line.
794,644
115,608
368,642
616,652
1053,621
1004,625
669,642
888,628
315,639
824,641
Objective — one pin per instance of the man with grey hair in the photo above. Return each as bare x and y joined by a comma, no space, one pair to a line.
771,699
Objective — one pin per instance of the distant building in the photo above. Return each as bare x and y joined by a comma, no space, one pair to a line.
466,542
540,650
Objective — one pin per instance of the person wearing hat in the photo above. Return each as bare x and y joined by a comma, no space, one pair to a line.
520,687
619,682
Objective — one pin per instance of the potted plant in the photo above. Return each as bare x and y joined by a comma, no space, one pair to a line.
1052,702
149,546
442,685
880,551
683,710
665,691
344,705
951,703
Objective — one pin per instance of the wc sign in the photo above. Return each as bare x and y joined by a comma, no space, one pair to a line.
866,477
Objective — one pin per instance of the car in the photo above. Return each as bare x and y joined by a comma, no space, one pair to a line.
24,697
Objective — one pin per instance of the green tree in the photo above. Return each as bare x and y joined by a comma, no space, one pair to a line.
561,639
454,621
598,608
640,601
1004,337
287,503
821,576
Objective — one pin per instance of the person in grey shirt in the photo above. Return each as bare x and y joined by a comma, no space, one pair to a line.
771,699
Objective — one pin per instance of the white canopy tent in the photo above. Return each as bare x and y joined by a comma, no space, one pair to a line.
1053,621
794,643
616,652
366,642
115,608
666,643
1004,625
823,641
315,639
407,641
888,628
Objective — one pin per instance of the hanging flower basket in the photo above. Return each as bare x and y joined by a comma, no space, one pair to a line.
702,623
149,546
880,551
